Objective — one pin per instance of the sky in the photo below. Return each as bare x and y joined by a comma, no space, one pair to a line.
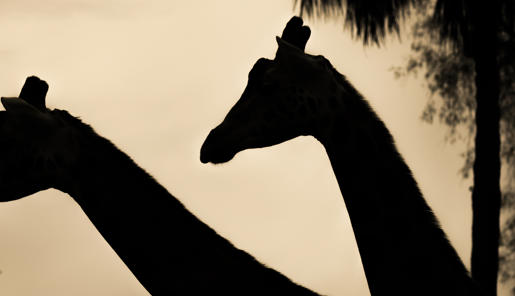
154,77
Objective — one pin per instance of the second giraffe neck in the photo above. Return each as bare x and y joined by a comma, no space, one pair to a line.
168,249
401,245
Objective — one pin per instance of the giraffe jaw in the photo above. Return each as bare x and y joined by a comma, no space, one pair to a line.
10,192
223,143
215,160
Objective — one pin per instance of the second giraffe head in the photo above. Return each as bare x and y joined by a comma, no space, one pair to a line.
282,100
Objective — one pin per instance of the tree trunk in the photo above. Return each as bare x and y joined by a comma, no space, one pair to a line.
486,195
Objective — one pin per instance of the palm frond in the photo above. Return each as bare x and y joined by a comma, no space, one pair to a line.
370,20
455,21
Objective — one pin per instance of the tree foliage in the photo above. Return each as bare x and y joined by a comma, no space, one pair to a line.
449,76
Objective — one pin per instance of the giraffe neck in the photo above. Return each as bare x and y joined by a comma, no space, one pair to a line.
401,245
167,248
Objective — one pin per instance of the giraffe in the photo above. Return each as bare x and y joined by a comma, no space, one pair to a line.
168,249
402,248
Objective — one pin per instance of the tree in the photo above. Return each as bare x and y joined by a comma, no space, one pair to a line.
470,28
450,79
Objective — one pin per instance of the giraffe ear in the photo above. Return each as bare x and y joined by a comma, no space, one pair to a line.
19,106
283,43
286,48
27,113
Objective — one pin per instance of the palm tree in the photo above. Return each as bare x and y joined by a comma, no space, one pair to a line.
470,27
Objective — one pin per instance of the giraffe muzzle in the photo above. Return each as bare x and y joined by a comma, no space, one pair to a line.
213,150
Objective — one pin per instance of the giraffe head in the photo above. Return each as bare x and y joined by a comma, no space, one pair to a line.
34,143
281,100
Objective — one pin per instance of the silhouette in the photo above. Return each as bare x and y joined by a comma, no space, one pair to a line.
403,250
478,30
168,249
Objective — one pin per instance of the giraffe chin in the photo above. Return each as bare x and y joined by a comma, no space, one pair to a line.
210,152
215,157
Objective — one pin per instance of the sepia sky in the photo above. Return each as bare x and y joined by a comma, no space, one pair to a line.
154,77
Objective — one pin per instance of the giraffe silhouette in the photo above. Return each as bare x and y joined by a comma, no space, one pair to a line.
402,247
168,249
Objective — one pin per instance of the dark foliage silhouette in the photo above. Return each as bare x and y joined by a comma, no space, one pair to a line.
449,74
